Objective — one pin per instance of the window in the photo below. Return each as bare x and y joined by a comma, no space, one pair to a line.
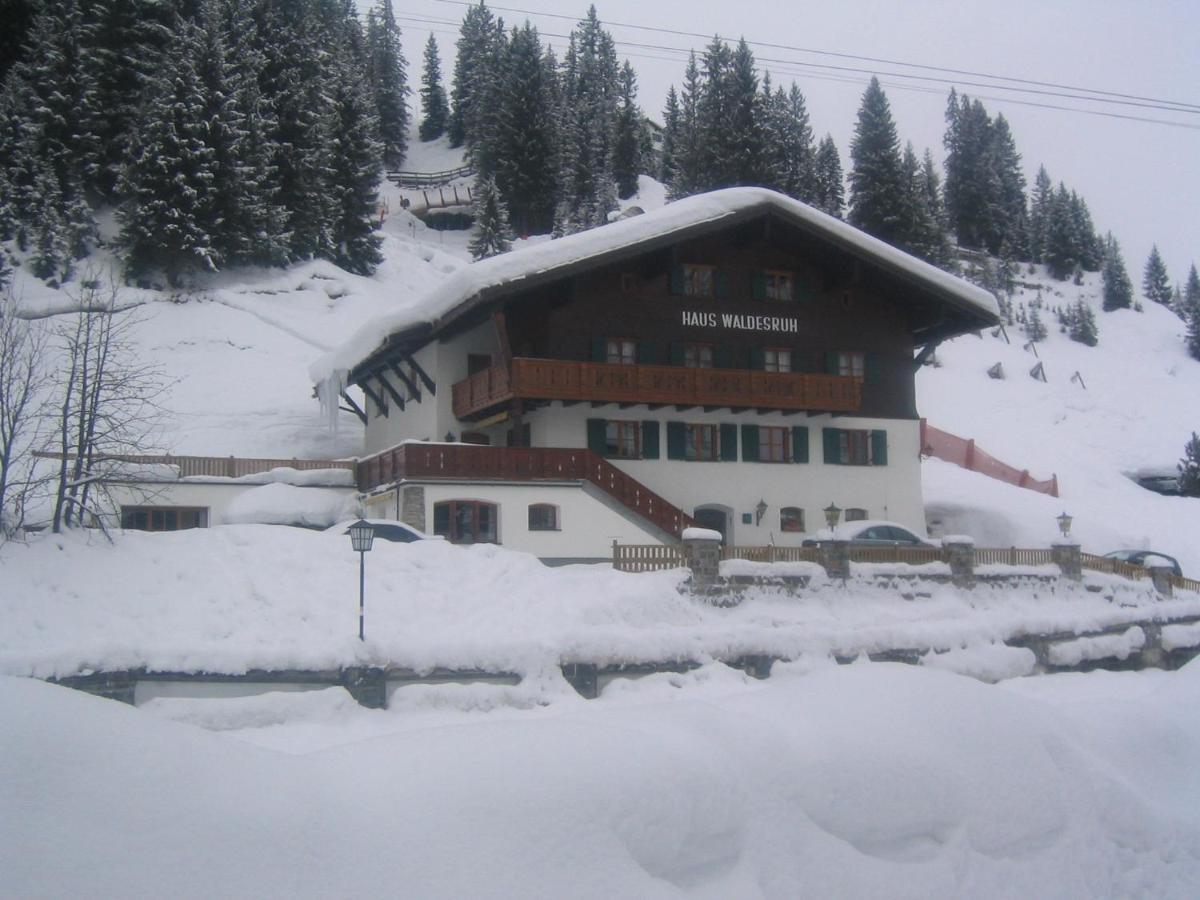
855,447
698,356
777,360
853,364
779,286
774,444
856,514
701,442
791,518
465,521
621,439
699,281
163,518
543,517
621,351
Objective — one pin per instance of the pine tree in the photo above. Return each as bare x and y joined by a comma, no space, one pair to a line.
474,52
744,127
712,118
627,163
1035,328
492,233
526,135
1156,285
668,166
1193,332
1039,211
687,178
170,183
1191,290
1082,325
1118,291
876,179
433,95
388,74
830,193
1189,468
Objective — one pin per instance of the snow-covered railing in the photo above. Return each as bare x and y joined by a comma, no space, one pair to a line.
963,452
430,179
771,553
213,466
648,557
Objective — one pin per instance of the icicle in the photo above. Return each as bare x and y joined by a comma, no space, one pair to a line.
329,392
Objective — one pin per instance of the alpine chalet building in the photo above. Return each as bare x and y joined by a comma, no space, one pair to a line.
736,360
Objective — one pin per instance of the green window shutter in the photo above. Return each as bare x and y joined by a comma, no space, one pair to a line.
599,349
759,287
871,370
676,279
645,353
676,353
729,443
676,440
597,435
756,358
800,443
879,447
799,289
749,443
441,519
722,284
833,446
831,362
649,439
723,357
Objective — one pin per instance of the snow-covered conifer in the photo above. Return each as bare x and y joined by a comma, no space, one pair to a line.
434,112
831,191
388,71
876,179
492,233
1118,290
1156,284
1189,468
627,163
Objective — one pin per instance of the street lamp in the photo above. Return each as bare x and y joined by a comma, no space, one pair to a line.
759,511
362,535
1064,524
832,514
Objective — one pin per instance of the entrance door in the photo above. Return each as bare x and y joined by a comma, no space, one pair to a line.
716,519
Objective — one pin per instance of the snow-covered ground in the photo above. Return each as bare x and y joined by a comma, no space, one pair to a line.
862,780
871,780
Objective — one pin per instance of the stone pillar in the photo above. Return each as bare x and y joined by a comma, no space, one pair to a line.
1161,576
704,559
1069,559
412,506
960,554
835,558
366,685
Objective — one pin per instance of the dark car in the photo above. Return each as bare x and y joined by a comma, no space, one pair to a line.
869,533
1141,557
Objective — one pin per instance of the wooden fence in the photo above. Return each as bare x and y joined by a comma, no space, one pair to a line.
1112,566
648,557
1012,556
212,466
772,554
429,179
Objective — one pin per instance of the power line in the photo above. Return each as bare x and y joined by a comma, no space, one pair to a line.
1116,97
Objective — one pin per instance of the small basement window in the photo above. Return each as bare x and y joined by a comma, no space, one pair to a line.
465,521
163,518
543,517
856,514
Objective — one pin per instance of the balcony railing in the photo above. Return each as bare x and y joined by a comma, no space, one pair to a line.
519,464
555,379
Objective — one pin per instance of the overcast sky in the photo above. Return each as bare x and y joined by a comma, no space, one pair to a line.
1141,179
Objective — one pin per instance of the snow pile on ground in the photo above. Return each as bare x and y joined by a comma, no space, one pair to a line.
856,781
242,597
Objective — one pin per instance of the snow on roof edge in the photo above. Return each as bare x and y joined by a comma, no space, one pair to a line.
508,268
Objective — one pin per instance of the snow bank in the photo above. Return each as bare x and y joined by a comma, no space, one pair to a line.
866,780
278,503
1107,646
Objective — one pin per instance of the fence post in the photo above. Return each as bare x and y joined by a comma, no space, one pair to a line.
702,549
1069,559
616,558
970,455
835,558
960,554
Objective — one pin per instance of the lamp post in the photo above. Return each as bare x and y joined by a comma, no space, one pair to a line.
832,514
759,511
362,535
1064,524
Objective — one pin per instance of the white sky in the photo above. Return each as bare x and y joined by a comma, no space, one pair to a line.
1140,179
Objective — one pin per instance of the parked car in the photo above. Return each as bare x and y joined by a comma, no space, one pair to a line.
387,530
870,533
1146,558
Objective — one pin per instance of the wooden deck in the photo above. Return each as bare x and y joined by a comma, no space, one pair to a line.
554,379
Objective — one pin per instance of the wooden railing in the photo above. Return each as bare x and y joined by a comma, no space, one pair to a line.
913,556
556,379
430,179
1112,566
213,466
470,461
772,554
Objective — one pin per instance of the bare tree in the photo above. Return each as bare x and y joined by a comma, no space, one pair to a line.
107,402
24,379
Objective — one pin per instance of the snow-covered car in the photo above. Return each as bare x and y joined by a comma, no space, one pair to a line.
870,533
388,530
1147,558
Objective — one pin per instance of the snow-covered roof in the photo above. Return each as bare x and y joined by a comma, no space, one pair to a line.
511,271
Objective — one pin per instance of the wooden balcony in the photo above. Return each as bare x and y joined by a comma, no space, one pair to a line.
470,462
556,379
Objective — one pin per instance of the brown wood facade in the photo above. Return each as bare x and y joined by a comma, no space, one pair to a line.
553,336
